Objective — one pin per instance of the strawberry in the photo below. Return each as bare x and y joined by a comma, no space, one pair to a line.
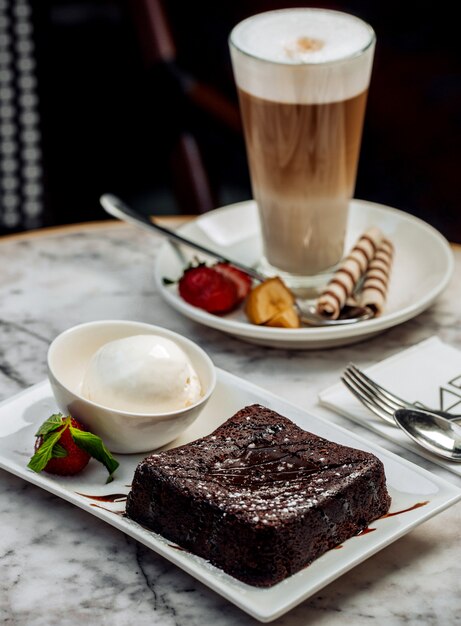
208,289
242,281
74,460
64,447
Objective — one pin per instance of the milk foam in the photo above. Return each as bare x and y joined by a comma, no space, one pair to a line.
302,56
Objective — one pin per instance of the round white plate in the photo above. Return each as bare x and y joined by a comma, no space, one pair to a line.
423,266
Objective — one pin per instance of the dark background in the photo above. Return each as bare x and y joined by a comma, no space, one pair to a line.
108,121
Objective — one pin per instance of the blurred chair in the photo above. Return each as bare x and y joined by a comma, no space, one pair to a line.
176,94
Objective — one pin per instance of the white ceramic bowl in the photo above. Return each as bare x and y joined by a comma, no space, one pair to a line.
121,431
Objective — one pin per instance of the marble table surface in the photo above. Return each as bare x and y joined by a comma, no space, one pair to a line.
62,566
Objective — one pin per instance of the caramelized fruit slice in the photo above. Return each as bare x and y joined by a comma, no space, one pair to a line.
267,300
288,318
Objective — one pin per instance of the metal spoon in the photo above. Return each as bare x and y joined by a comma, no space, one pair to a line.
349,314
117,208
431,431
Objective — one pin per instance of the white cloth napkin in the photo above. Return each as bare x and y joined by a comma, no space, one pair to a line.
428,373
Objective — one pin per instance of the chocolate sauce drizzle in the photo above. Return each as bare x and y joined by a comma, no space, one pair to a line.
365,531
418,505
110,497
410,508
256,466
97,506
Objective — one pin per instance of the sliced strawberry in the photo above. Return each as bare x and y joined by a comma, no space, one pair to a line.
208,289
242,281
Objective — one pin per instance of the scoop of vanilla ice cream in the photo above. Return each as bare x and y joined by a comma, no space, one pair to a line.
141,374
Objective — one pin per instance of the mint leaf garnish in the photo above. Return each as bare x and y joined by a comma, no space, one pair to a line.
59,452
50,433
38,462
94,445
52,423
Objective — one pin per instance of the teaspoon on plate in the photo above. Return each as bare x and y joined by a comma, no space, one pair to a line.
117,208
431,431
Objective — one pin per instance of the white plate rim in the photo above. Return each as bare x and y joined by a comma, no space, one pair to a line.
262,604
304,336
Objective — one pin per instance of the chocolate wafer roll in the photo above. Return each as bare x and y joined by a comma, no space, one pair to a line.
376,279
346,277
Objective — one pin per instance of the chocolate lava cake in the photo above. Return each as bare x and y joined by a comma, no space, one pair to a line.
259,497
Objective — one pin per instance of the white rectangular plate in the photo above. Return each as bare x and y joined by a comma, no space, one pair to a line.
408,485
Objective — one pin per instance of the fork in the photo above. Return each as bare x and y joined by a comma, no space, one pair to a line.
380,401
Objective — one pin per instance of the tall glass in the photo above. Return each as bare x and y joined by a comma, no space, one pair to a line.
302,76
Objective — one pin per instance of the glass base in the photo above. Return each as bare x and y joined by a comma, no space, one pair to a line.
307,287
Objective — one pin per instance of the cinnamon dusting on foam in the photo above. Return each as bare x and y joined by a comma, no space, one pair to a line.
303,45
